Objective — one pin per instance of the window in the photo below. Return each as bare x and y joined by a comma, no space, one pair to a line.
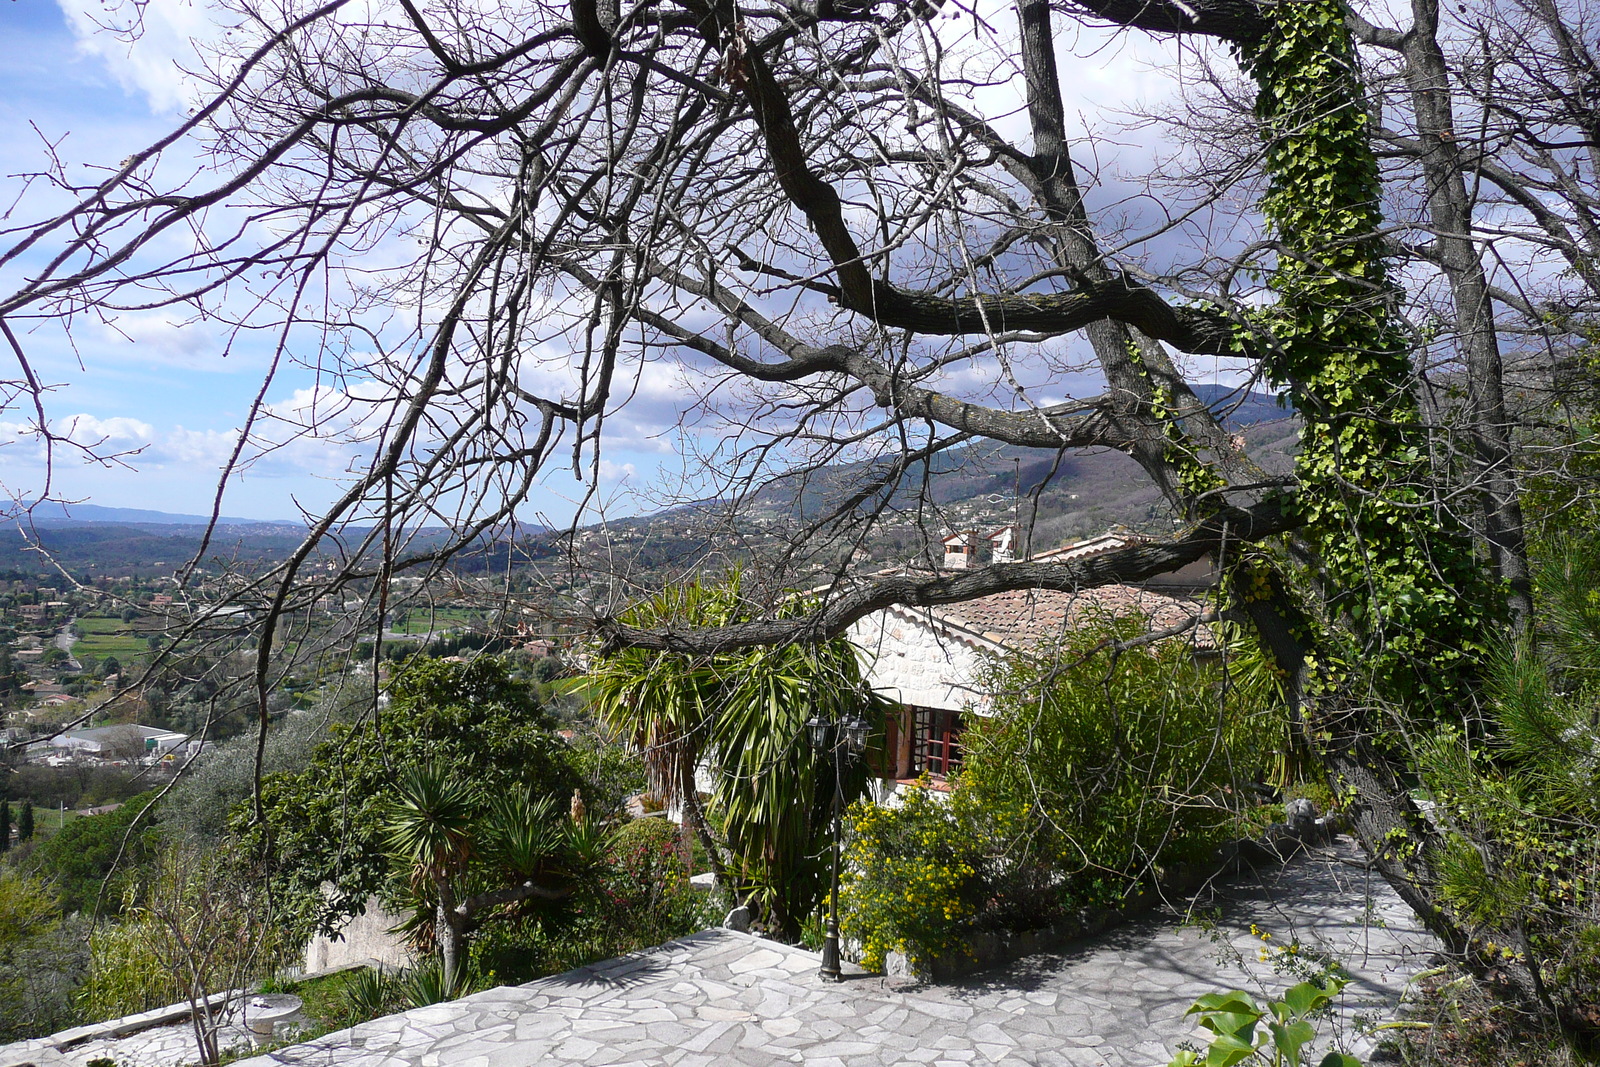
936,740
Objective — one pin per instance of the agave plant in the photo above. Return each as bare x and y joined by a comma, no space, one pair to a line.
370,993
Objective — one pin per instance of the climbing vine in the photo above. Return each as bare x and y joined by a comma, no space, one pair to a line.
1403,590
1196,476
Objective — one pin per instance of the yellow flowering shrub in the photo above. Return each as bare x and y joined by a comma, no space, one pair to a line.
911,880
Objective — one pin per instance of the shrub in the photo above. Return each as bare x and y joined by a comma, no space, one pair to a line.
42,958
90,860
1094,770
200,923
911,882
608,771
370,993
126,974
639,896
1106,764
326,824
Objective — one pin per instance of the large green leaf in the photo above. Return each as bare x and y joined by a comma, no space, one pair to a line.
1291,1037
1227,1050
1339,1059
430,821
1307,997
1232,1013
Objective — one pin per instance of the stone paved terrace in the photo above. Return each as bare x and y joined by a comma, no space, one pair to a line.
720,997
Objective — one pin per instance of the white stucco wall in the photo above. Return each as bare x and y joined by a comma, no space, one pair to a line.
364,937
915,661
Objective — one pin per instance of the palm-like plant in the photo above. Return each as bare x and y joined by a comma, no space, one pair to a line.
467,854
743,716
774,794
431,822
663,703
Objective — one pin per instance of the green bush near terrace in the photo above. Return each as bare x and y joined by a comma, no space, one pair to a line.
637,897
1099,767
1094,772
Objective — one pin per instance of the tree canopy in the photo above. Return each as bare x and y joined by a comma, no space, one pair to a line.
329,825
821,232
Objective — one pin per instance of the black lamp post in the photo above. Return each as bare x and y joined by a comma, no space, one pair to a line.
841,741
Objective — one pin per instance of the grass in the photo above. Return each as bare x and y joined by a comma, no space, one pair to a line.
1457,1020
324,1002
47,822
104,636
324,999
421,621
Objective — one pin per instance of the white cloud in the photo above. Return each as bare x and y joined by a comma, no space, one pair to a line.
616,472
117,434
207,449
166,338
147,45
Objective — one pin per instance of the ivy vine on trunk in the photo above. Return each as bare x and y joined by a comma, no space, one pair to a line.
1408,615
1404,594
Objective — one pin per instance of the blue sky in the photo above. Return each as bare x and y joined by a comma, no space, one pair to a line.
163,386
164,390
171,393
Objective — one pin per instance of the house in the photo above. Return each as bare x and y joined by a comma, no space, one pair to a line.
960,550
931,659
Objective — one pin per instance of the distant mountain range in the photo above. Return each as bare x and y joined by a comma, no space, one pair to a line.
51,513
1077,493
1087,488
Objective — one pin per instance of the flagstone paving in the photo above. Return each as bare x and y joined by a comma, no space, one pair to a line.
720,997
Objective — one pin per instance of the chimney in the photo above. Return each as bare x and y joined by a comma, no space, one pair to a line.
960,550
1003,545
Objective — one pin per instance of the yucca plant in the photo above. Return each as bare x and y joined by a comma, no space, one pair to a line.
774,795
467,855
742,716
661,702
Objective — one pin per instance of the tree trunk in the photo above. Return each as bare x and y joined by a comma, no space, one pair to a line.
202,1016
450,931
1450,216
1383,817
694,818
1134,364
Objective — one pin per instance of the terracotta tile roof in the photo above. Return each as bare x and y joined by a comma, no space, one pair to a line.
1026,618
